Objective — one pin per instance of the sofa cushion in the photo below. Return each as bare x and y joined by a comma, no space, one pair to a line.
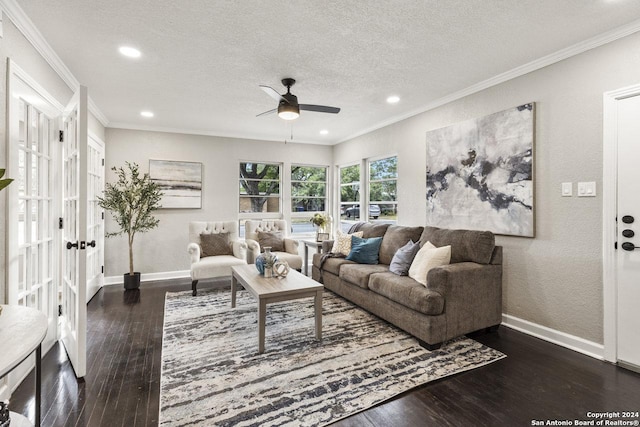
406,291
396,237
214,244
403,258
372,230
466,245
358,274
272,239
342,244
331,265
428,257
364,251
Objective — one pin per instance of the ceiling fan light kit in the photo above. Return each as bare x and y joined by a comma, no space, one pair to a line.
288,107
288,112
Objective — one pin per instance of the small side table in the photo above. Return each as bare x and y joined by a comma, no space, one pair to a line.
22,330
307,244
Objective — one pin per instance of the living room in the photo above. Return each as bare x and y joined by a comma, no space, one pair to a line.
555,284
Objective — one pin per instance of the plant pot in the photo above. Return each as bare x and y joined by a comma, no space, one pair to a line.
131,282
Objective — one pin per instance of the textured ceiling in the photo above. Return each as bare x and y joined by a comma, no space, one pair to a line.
202,60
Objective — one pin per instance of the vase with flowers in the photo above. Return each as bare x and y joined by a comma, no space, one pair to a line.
321,222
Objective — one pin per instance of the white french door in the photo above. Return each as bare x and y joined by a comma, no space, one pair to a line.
33,206
628,213
75,231
95,216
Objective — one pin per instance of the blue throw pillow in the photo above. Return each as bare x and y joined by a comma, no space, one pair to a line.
403,258
364,251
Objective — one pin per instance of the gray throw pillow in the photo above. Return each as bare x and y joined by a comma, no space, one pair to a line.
403,258
273,239
214,244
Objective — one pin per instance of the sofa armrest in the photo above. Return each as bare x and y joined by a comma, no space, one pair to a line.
327,245
253,250
472,293
194,252
239,249
290,246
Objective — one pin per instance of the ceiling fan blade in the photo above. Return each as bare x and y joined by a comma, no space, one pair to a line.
267,112
273,93
320,108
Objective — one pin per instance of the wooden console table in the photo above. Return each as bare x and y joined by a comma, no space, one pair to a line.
22,330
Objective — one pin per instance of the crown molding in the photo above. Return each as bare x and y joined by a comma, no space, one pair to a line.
24,24
235,135
560,55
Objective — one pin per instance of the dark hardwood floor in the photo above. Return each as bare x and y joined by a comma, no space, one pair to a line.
537,381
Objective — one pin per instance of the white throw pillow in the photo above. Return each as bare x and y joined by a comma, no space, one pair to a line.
342,244
428,257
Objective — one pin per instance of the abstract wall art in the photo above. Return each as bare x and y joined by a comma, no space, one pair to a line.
180,183
480,173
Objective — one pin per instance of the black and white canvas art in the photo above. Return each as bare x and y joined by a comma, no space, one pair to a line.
480,173
180,183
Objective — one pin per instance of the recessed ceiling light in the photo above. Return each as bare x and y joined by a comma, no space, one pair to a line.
131,52
393,99
146,113
324,132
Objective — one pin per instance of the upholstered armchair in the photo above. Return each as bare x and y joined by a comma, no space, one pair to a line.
261,233
213,249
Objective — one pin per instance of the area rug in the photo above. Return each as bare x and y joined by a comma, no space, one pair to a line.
212,373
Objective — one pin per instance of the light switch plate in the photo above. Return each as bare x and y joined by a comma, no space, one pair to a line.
587,189
567,189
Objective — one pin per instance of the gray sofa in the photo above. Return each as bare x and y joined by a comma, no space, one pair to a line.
462,297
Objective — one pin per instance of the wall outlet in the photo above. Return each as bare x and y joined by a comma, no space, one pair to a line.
587,189
567,189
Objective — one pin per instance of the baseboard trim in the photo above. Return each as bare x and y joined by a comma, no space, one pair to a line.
563,339
149,277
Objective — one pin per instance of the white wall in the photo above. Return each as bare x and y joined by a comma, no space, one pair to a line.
164,248
555,279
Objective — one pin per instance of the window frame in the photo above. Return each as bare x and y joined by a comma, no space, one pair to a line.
369,182
296,214
340,184
259,215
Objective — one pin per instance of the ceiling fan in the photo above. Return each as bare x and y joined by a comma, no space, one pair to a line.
288,107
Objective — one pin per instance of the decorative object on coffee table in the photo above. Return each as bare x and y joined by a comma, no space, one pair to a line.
131,201
265,261
281,268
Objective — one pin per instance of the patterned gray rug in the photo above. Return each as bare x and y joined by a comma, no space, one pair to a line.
213,375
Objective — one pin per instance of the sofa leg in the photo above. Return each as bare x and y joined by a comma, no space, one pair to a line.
430,347
493,328
194,288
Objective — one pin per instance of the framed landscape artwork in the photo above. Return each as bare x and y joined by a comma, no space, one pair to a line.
180,183
480,173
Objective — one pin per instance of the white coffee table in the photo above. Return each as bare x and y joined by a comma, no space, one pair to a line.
268,290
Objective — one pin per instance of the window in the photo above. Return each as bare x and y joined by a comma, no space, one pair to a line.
349,195
308,195
383,176
308,188
259,188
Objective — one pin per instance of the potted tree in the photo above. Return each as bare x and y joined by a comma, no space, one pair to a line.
131,201
4,182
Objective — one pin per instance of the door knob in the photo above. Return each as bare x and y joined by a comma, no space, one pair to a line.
72,245
628,246
628,233
628,219
92,244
